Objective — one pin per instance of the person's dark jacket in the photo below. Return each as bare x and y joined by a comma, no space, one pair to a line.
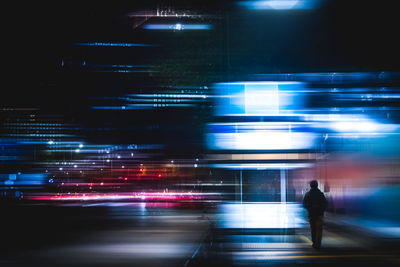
315,203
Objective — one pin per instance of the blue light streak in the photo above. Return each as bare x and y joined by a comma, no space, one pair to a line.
280,4
260,136
261,166
258,98
142,106
261,215
177,27
113,44
123,71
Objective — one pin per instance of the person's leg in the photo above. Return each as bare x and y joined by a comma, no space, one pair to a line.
313,230
318,231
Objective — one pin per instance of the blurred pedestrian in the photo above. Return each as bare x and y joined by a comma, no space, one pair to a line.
315,203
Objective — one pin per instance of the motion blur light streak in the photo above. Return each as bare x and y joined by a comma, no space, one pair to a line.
262,216
262,166
148,196
177,26
258,98
280,4
124,71
113,44
260,136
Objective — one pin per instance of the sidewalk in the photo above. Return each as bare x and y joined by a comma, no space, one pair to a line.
372,227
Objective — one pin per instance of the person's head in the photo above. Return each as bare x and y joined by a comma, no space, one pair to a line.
314,184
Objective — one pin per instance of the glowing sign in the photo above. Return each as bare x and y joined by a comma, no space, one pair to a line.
258,98
261,136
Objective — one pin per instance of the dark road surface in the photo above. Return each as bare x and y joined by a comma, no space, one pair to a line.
167,234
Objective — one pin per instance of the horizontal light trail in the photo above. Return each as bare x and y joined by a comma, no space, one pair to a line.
113,44
125,196
266,156
177,27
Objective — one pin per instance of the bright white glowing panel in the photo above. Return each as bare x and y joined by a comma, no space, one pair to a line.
258,98
261,216
362,126
261,98
260,136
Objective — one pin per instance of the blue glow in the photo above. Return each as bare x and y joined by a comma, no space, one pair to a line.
40,135
117,66
261,98
27,179
8,182
258,98
120,108
261,136
261,166
123,71
336,77
177,96
177,27
112,44
361,125
261,216
280,4
143,106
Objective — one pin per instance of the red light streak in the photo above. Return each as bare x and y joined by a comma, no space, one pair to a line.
150,196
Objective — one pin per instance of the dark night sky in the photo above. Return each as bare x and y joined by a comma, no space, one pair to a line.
340,36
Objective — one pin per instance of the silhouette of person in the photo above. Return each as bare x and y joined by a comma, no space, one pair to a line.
315,203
